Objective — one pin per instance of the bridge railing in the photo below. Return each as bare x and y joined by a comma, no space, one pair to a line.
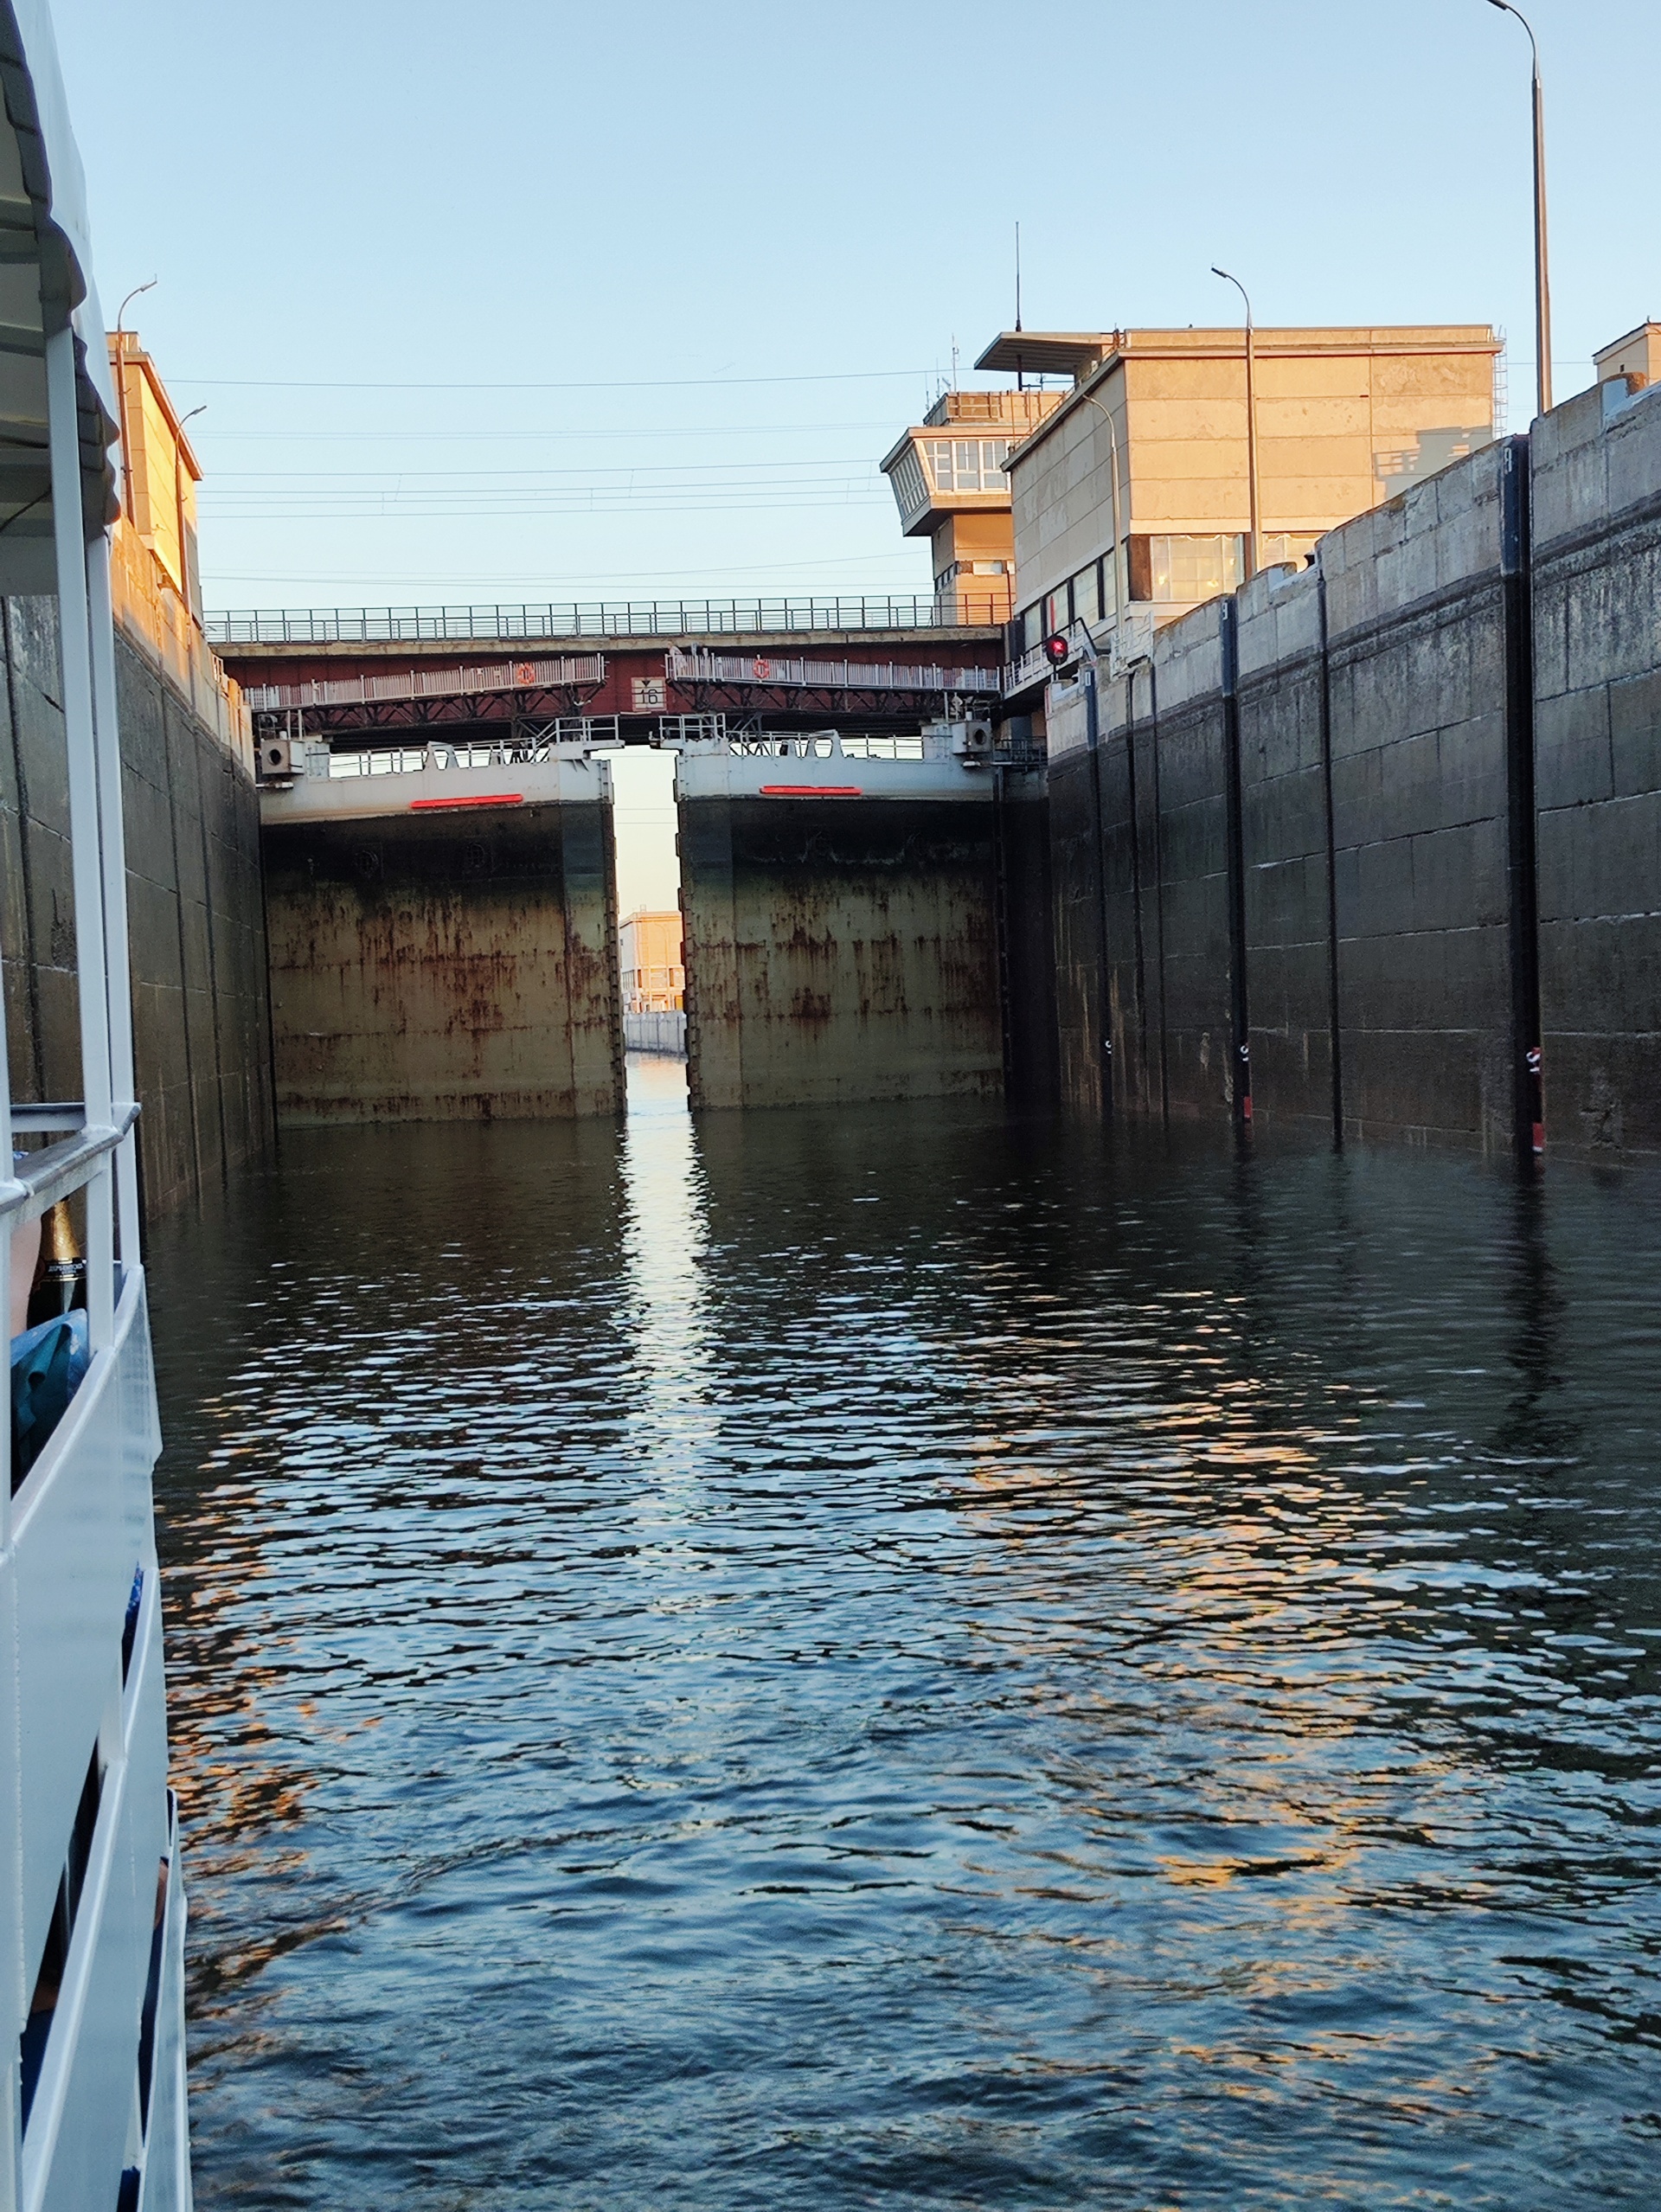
785,617
701,666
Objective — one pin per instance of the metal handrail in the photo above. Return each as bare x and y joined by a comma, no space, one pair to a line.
40,1179
782,615
365,690
701,666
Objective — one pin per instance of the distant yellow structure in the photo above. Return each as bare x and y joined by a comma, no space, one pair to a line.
155,575
649,948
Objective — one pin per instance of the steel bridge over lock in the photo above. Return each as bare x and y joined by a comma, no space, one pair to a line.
349,674
857,833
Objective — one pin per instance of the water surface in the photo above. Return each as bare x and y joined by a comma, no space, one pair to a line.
902,1659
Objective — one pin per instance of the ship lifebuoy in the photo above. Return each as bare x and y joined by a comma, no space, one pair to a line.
761,669
523,672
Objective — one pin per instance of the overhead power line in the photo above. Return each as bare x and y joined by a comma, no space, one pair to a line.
593,384
885,423
705,470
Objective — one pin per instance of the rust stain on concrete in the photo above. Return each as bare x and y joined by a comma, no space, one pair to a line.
418,974
836,953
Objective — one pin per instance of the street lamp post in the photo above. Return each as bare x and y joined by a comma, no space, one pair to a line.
1541,266
1251,424
121,391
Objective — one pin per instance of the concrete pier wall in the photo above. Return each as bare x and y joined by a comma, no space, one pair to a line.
192,818
1360,839
838,948
451,965
1597,654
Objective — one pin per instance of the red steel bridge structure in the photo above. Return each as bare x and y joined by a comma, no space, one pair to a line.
352,674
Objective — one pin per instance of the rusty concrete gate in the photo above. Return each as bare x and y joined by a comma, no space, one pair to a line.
444,949
443,931
841,939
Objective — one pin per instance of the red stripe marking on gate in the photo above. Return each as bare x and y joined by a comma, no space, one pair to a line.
812,791
482,798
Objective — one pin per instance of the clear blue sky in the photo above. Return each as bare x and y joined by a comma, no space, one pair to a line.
628,211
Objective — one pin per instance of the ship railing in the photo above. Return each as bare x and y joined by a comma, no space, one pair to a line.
92,1926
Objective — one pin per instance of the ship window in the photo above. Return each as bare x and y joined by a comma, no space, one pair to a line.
43,2004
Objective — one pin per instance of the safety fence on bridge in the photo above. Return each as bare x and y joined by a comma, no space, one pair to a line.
429,683
701,666
784,617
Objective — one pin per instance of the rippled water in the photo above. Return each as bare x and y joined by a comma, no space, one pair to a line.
898,1659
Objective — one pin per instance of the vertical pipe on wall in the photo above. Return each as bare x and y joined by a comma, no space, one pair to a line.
1516,565
1094,728
1138,929
1335,1038
1156,803
1104,1001
1241,1070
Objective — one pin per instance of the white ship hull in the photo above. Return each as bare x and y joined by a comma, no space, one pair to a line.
92,1899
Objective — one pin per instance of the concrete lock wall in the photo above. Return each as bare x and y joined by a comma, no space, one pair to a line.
1392,822
1597,600
200,1029
453,966
838,948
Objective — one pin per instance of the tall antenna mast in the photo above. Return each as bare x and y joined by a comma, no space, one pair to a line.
1020,382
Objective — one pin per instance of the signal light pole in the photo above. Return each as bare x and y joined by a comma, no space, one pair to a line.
1542,270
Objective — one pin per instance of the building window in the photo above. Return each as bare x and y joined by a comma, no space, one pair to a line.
1284,549
910,486
1087,596
968,463
1189,569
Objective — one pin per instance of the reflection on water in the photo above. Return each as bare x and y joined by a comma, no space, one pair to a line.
891,1658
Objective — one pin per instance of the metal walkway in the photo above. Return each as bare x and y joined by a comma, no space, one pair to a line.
781,617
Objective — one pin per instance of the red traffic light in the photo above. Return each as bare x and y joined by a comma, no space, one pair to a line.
1056,649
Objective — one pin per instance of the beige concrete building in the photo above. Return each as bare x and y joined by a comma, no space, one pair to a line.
950,486
650,959
1155,426
160,486
154,574
1636,357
